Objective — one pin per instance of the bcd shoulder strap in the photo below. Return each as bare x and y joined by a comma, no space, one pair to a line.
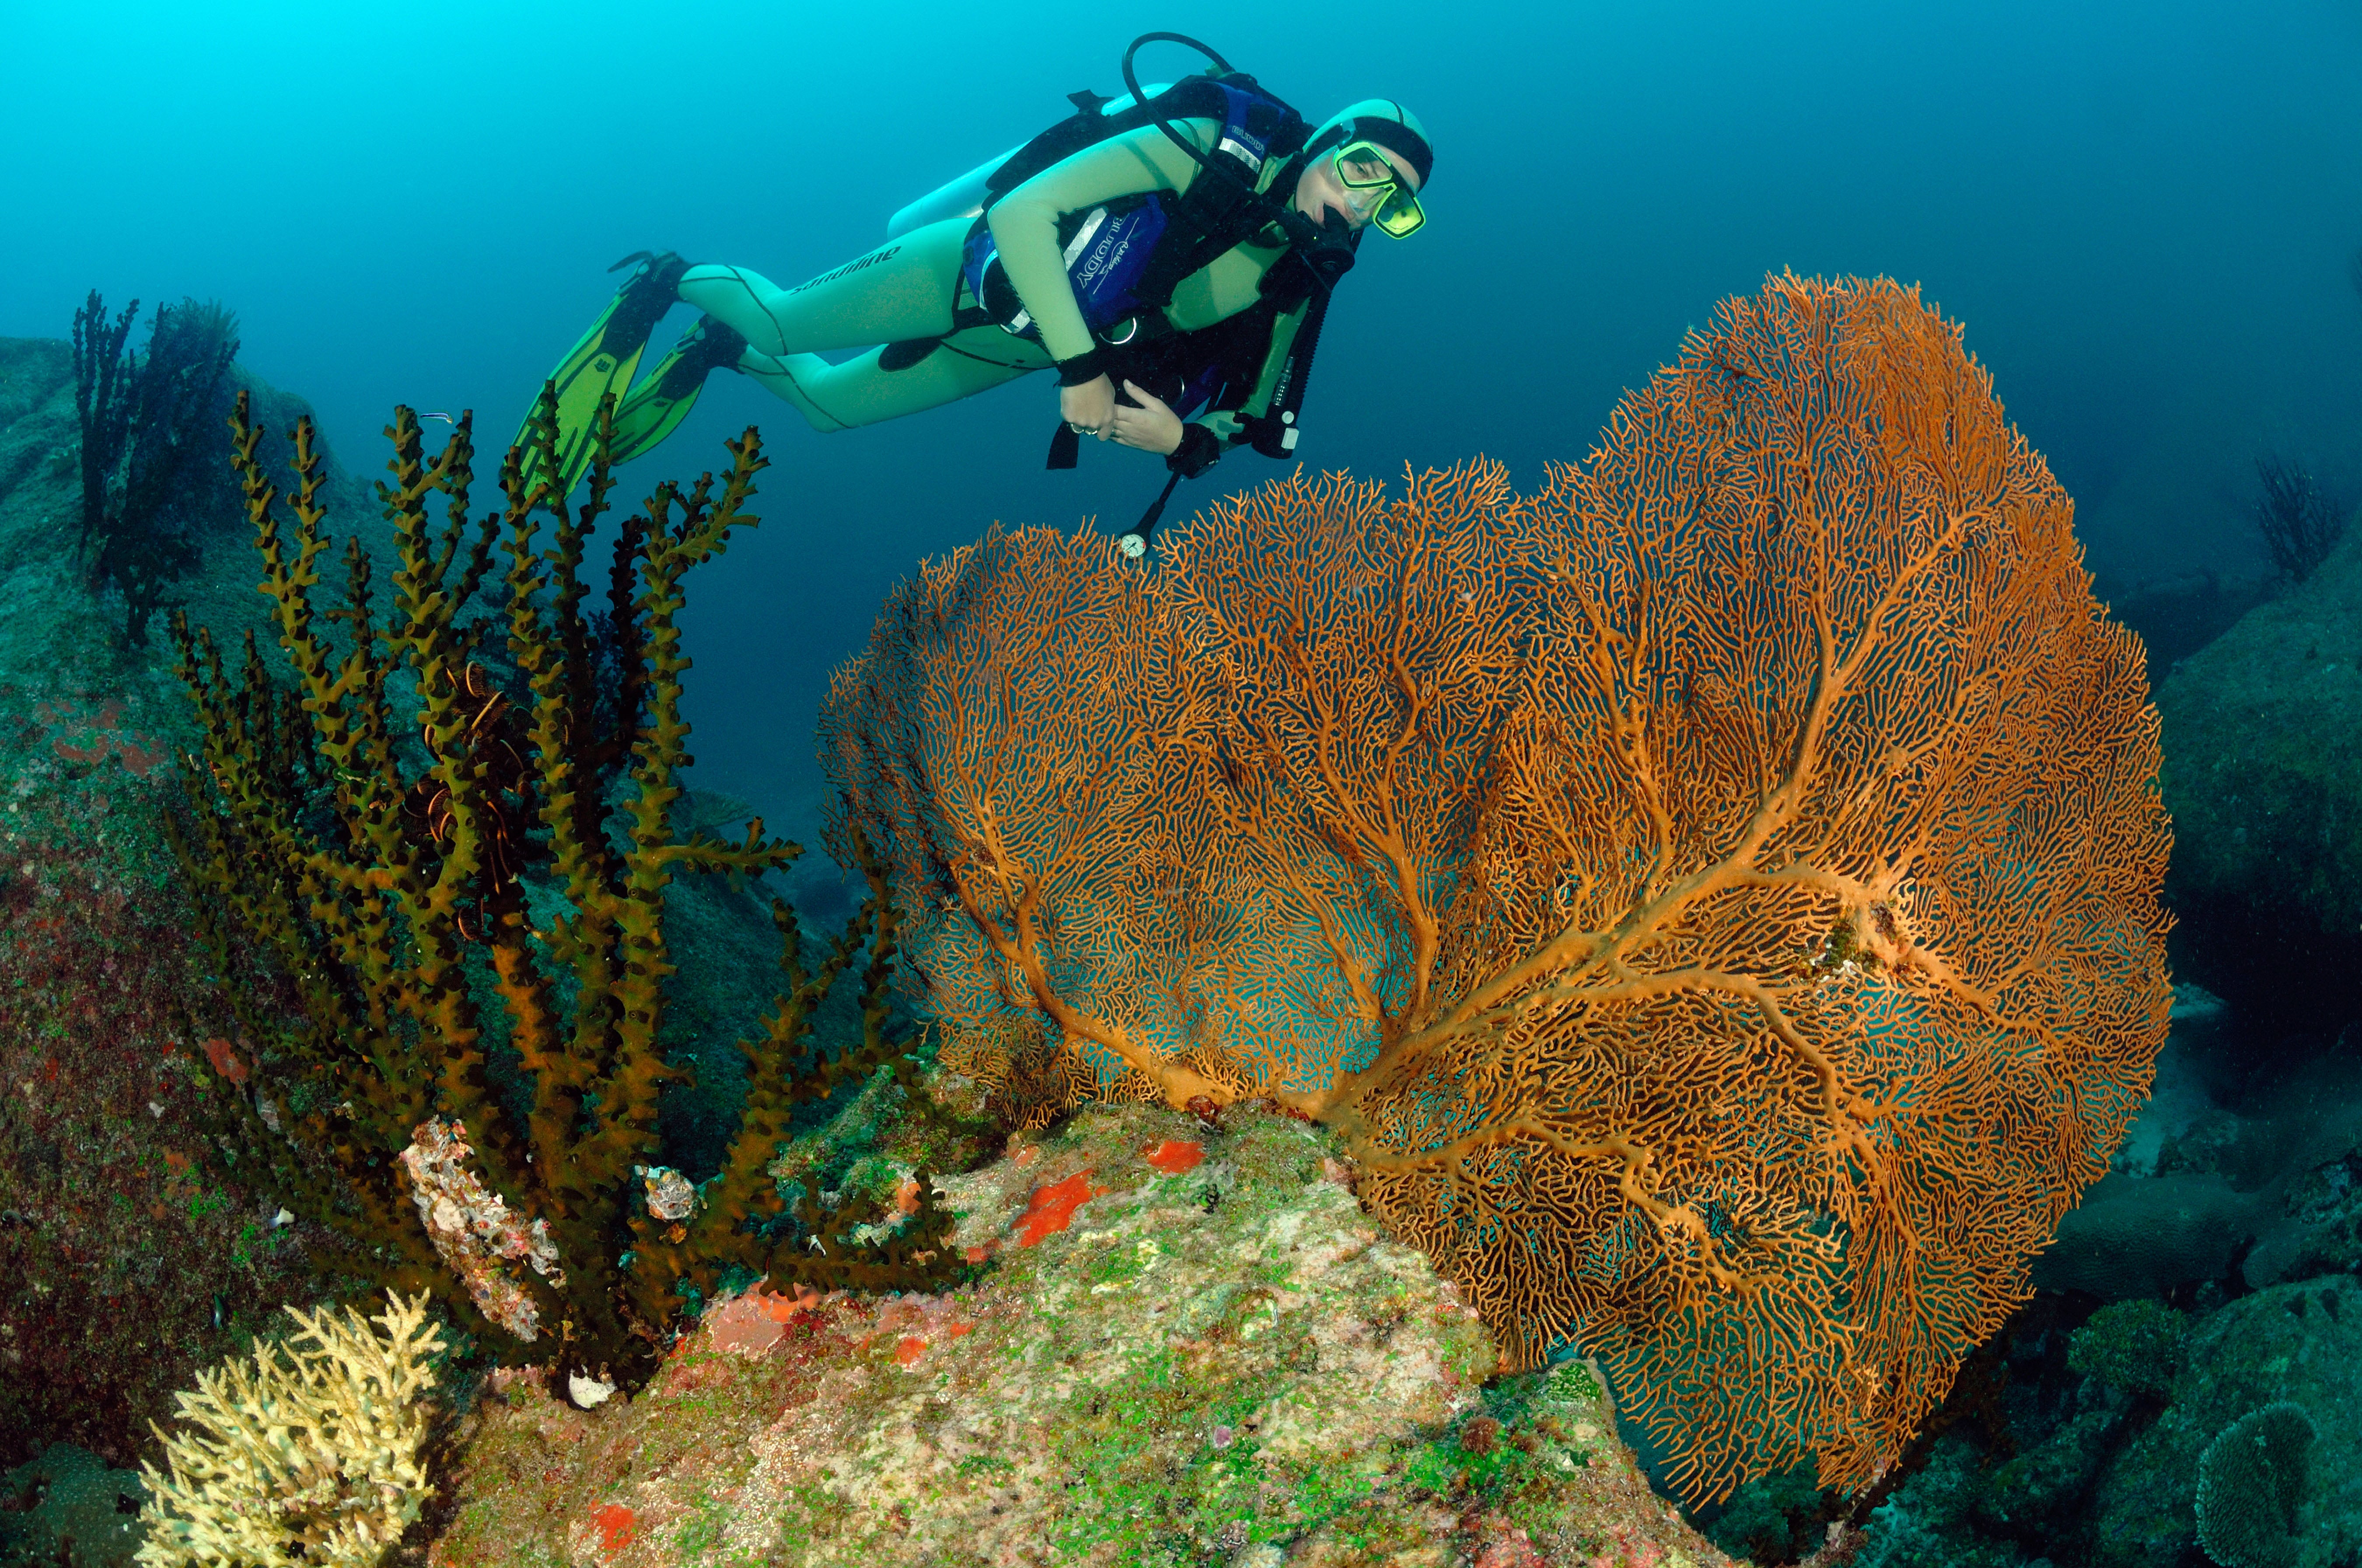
1221,207
1255,126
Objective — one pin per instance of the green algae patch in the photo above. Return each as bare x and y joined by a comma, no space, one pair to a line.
1213,1356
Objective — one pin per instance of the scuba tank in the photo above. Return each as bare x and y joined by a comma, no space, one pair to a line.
965,197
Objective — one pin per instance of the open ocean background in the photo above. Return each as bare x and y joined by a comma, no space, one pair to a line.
2142,212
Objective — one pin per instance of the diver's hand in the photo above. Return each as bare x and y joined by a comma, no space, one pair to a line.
1151,427
1090,405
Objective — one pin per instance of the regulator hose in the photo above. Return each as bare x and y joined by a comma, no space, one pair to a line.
1326,248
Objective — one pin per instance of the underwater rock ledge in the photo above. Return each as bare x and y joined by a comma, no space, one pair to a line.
1194,1347
2263,773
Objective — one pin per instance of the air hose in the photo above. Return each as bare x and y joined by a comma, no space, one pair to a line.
1326,248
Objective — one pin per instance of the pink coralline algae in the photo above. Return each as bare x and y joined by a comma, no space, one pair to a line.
472,1228
751,1324
225,1061
99,734
1053,1207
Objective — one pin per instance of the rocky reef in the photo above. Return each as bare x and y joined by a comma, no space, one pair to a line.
137,1243
131,1250
1178,1336
1195,1346
2262,742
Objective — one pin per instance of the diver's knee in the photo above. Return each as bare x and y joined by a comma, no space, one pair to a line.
778,377
738,298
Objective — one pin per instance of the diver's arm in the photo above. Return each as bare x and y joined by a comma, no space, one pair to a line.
1025,227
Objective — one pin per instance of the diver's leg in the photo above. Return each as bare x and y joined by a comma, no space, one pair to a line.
901,289
861,392
897,294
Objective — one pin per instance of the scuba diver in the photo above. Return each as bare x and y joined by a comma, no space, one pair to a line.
1170,254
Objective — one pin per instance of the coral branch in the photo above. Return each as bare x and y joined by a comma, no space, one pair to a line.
308,1454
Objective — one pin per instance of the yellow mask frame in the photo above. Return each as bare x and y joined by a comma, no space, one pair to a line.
1382,200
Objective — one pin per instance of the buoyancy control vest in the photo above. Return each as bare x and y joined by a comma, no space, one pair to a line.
1125,258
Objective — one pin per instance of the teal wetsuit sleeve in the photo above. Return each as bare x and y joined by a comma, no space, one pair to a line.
1025,222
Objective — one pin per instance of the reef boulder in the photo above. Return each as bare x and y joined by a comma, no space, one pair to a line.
1192,1346
2263,775
2298,1344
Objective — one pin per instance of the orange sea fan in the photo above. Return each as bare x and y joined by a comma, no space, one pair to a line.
1823,966
990,750
1714,899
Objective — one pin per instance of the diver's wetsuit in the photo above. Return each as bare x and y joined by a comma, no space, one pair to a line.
911,288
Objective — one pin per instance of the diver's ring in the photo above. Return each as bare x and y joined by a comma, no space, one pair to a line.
1082,429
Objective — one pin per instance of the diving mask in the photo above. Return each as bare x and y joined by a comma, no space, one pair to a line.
1376,191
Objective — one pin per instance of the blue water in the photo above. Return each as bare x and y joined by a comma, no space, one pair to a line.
2143,214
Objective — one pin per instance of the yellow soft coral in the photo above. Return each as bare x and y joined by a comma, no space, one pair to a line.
303,1457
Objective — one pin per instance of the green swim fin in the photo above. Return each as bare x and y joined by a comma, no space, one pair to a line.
603,361
659,403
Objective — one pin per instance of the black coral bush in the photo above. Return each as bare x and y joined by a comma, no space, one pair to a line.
426,857
154,469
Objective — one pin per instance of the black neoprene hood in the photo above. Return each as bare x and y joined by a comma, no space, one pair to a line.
1395,137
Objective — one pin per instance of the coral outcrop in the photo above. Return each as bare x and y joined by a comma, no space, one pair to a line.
1714,899
1193,1347
2263,731
2293,1345
2135,1346
305,1456
2252,1482
2132,1440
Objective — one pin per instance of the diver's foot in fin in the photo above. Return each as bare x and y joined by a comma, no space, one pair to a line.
903,355
659,274
602,363
706,347
661,401
621,333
